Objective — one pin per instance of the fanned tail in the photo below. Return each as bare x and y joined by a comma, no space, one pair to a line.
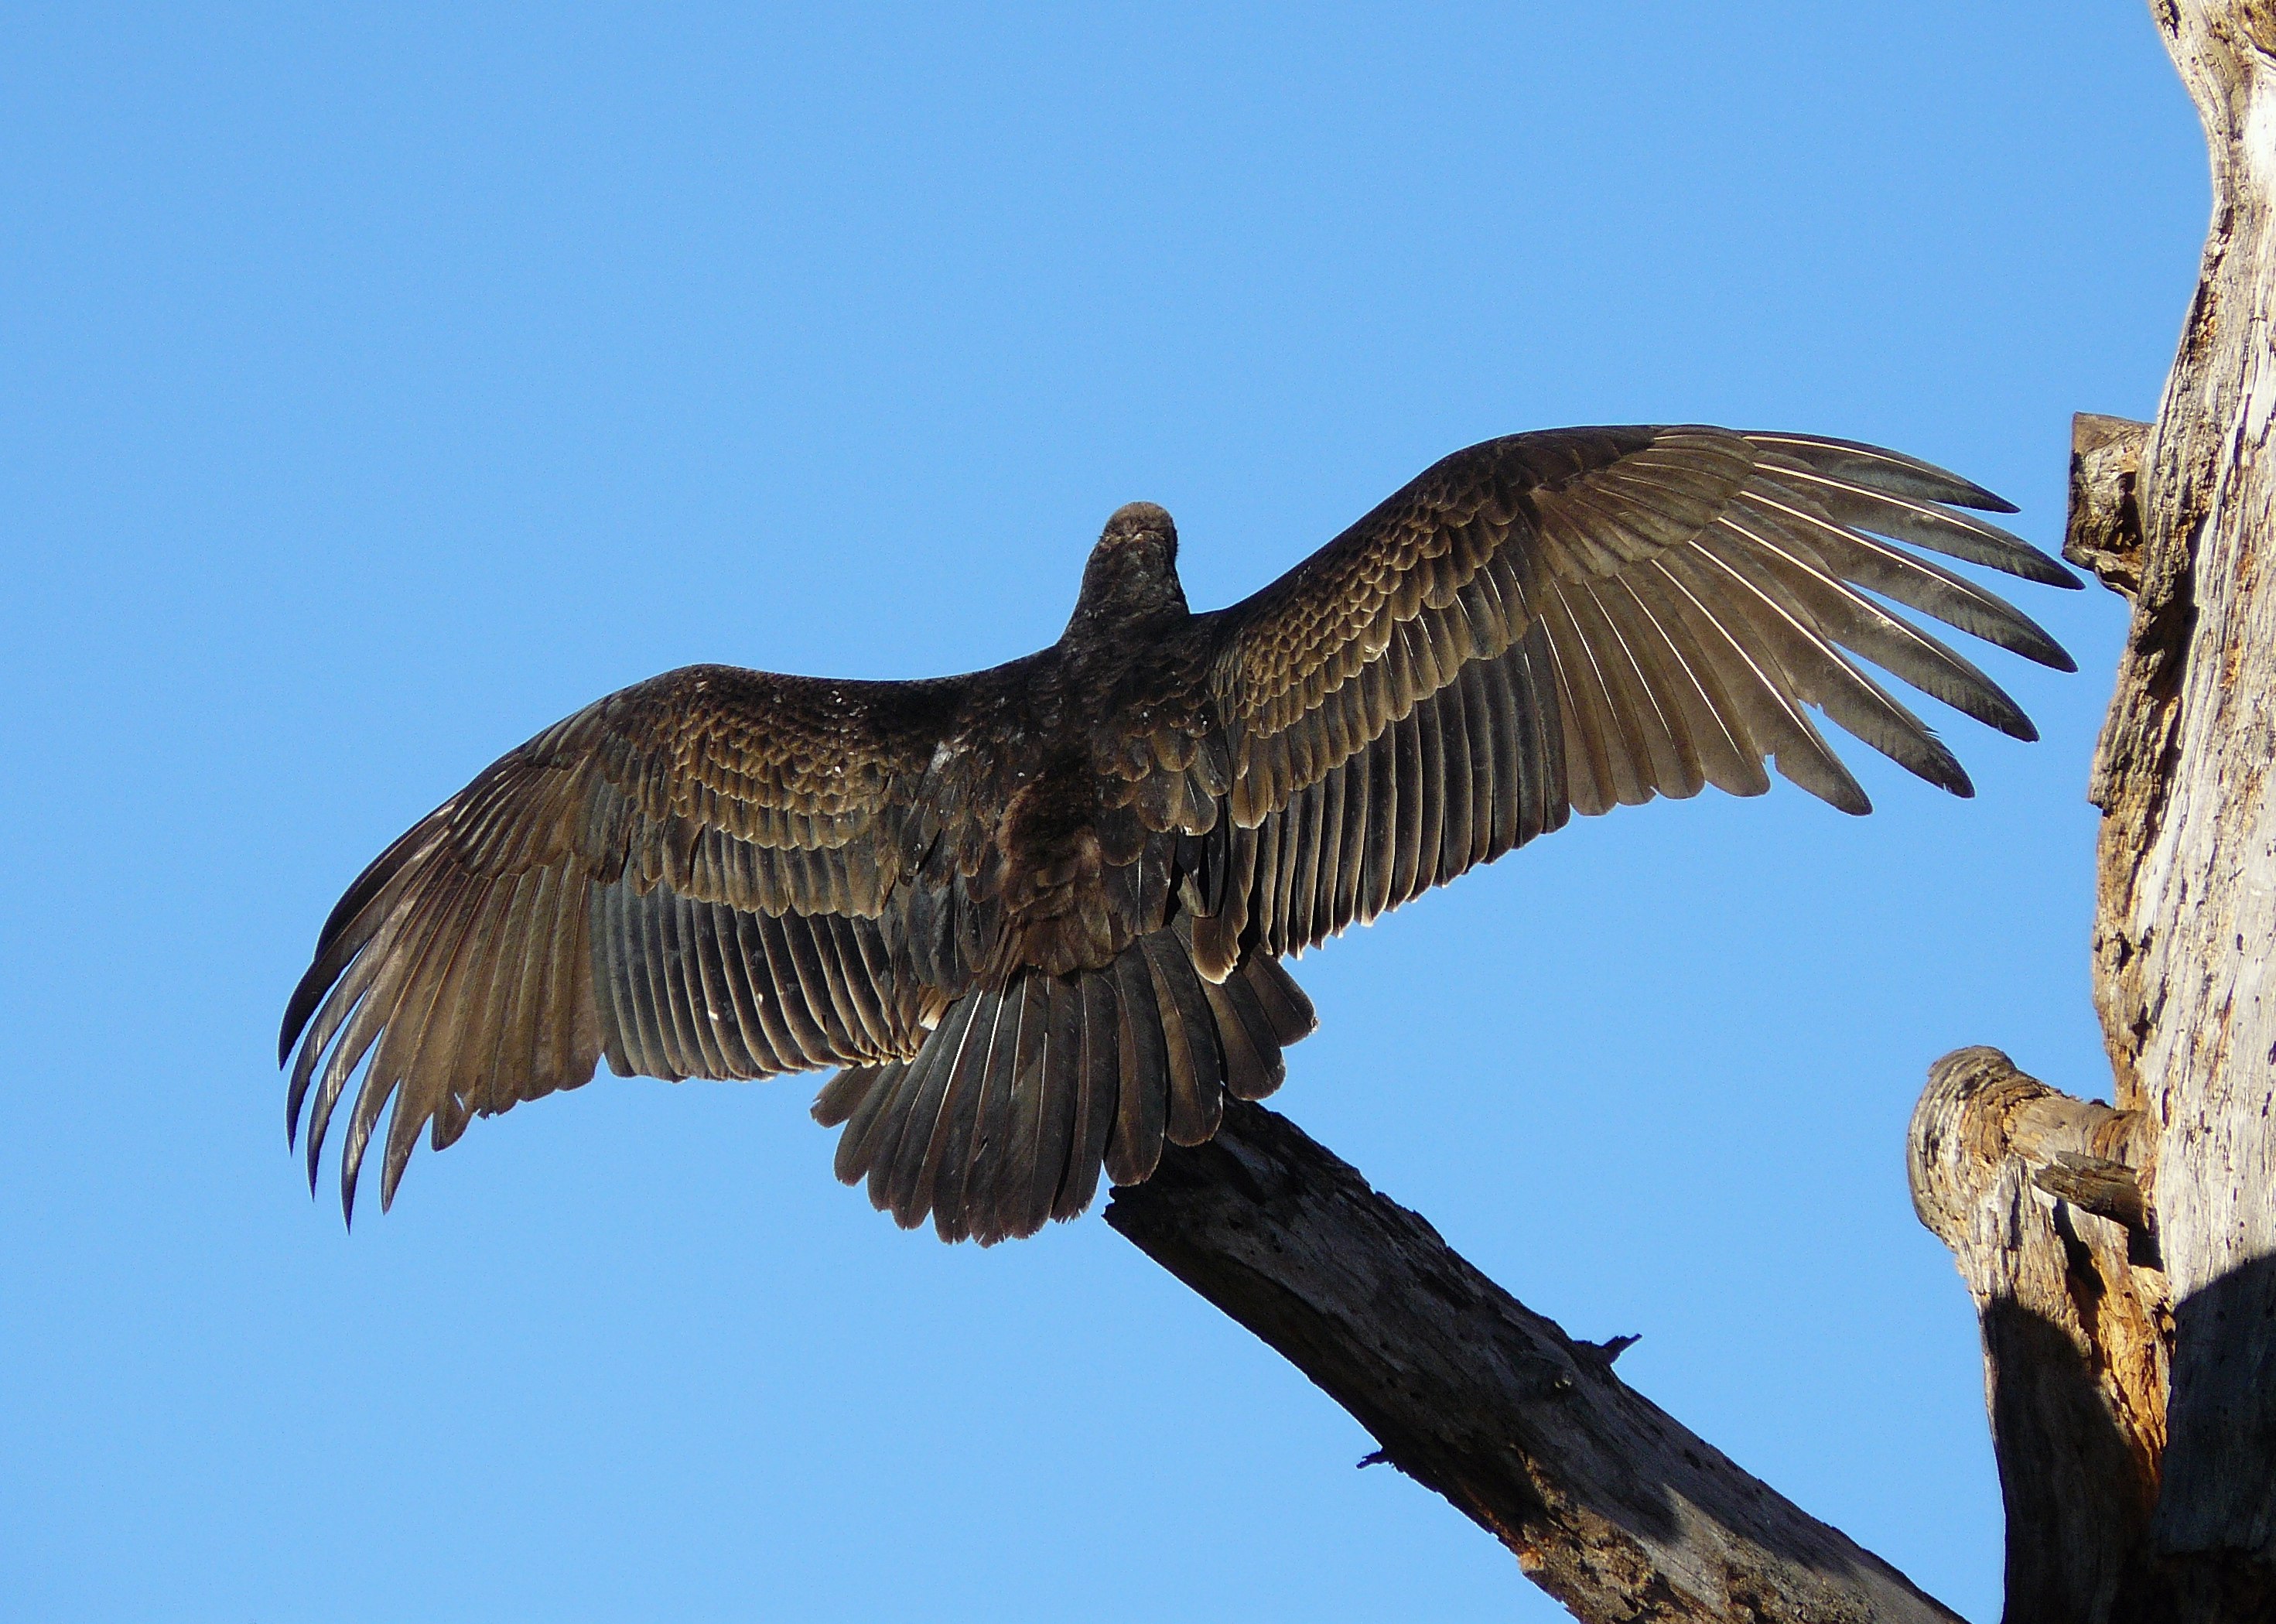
1024,1093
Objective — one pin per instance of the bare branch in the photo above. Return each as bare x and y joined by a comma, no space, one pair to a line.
1608,1502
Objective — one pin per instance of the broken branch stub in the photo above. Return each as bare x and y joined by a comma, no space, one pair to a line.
2072,1313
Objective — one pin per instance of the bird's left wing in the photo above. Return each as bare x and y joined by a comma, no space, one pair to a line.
703,875
1569,620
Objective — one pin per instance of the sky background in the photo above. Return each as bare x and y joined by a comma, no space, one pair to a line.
379,384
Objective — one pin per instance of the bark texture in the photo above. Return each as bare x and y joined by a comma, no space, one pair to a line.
2186,903
1607,1501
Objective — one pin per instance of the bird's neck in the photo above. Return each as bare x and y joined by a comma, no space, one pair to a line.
1127,593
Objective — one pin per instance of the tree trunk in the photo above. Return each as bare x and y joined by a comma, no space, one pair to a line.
2187,901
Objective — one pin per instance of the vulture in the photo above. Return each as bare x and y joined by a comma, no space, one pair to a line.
1036,915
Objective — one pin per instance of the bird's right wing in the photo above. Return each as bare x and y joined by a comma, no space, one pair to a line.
704,875
1580,618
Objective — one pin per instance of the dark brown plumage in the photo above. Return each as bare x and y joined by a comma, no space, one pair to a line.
1036,914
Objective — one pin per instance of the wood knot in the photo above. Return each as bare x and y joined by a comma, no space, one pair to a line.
2102,530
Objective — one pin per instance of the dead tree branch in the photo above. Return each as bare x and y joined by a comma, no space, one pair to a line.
1608,1502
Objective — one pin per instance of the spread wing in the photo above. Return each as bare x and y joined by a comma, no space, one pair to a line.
700,876
1582,618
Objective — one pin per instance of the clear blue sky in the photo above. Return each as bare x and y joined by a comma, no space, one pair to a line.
377,386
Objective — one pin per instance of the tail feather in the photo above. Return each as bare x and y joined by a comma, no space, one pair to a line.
1190,1034
1141,1087
1047,1129
1284,1003
1097,1086
985,1069
1024,1094
856,1096
903,1167
1252,1070
890,1109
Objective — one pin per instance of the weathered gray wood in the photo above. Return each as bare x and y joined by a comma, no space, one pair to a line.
2072,1311
2105,1188
2186,910
1608,1503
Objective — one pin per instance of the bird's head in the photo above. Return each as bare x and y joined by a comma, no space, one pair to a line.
1133,572
1142,531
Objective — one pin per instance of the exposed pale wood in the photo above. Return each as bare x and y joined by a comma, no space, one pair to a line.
1607,1501
2072,1314
2185,905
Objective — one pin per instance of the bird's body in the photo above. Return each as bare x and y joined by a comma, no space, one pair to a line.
1035,914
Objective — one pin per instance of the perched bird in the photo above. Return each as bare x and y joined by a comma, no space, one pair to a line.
1037,913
